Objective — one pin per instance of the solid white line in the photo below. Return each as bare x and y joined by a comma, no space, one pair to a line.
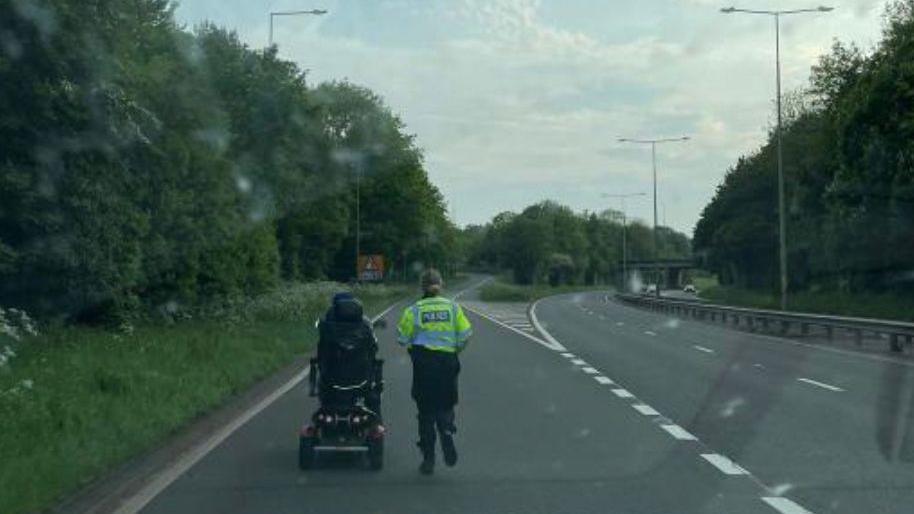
725,465
623,393
515,330
539,328
702,349
481,282
648,332
823,385
590,371
603,380
579,362
679,433
383,313
158,482
647,410
784,505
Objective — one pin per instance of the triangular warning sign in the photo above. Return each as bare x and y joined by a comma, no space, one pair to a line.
369,264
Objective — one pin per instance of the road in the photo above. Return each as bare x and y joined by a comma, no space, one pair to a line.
634,413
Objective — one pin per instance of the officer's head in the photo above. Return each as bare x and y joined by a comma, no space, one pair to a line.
431,282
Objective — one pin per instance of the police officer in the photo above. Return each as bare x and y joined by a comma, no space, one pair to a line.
434,330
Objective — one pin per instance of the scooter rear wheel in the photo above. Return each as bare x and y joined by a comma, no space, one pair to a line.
376,454
306,453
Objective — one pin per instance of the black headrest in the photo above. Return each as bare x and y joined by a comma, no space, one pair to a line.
347,309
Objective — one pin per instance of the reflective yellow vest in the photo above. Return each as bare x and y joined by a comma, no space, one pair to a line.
435,323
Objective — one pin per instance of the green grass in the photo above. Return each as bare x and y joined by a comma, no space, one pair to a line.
703,282
866,305
499,291
77,401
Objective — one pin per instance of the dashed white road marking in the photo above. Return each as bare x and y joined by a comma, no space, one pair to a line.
620,323
722,463
725,465
579,362
590,371
784,505
823,385
678,432
647,410
623,393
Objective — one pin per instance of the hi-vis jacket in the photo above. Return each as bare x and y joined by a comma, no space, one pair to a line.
435,323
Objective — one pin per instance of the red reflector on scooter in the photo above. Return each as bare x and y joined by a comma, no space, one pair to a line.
378,432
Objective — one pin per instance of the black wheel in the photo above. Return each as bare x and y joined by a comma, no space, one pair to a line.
305,453
376,454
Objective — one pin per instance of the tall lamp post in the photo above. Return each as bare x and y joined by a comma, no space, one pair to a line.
622,198
314,12
654,143
782,217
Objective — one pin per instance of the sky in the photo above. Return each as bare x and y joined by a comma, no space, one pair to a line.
517,101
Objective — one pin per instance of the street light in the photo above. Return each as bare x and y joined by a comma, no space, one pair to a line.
782,217
315,12
654,143
622,198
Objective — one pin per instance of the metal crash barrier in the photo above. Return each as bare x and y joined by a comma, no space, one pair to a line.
896,333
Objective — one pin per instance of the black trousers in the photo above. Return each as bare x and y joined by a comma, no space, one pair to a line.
435,393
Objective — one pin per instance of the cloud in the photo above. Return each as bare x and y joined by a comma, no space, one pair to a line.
514,101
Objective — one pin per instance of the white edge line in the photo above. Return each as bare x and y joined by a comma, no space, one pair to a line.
784,505
539,328
474,286
162,479
509,327
823,385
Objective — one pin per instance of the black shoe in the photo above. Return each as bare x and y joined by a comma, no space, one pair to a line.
449,450
427,467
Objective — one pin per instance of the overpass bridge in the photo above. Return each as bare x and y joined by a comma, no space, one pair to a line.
668,273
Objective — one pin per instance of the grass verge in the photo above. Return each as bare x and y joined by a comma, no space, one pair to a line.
77,401
498,291
865,305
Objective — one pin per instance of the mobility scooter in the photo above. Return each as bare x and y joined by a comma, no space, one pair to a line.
347,378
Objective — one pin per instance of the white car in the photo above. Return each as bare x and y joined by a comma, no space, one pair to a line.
689,289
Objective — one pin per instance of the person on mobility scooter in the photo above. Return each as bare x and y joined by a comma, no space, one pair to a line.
347,378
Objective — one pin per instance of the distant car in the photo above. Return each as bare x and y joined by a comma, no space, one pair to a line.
649,289
689,289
